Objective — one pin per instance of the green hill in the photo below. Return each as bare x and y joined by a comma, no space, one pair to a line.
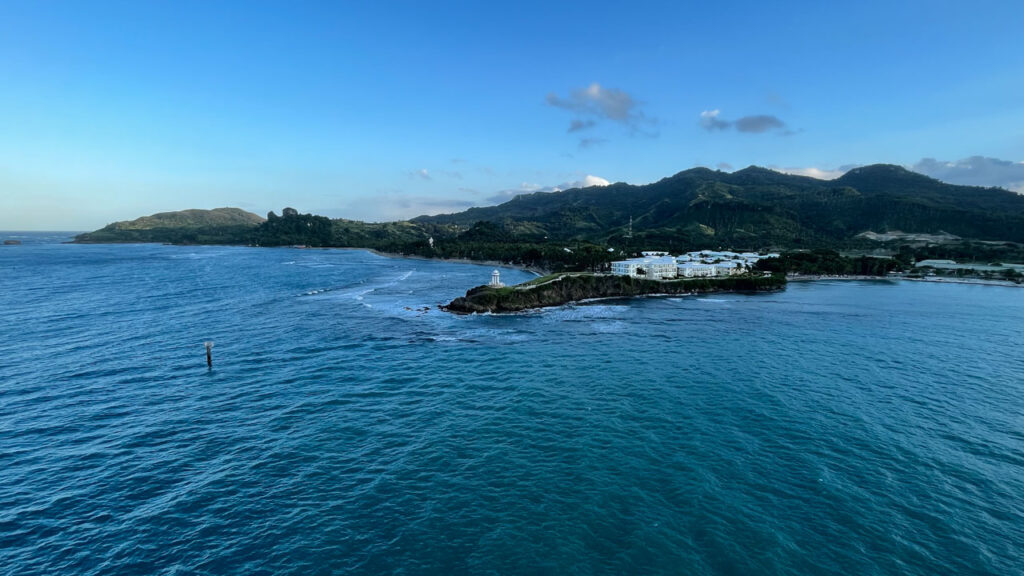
217,226
756,207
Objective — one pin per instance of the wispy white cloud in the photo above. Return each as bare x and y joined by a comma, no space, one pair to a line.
595,100
594,104
709,120
425,174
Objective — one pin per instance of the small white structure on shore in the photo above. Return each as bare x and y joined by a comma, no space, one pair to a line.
496,279
658,265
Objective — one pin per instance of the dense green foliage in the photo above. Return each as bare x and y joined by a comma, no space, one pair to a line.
983,252
292,228
828,263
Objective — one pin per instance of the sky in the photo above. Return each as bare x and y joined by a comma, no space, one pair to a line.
388,110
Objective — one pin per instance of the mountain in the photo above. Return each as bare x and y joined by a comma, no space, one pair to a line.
217,226
755,207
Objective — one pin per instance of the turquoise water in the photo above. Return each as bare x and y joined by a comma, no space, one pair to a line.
834,428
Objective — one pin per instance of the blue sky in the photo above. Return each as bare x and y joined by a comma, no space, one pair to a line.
380,111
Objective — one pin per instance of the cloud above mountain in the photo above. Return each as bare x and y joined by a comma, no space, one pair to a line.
529,188
595,104
759,123
975,171
971,171
819,173
712,121
595,100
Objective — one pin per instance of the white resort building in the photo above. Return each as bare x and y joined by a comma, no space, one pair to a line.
704,263
657,266
694,269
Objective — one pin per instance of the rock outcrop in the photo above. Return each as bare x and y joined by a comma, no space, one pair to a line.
577,287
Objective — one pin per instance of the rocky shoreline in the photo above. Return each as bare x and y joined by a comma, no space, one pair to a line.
571,288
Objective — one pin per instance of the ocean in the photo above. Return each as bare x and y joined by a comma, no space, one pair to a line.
348,426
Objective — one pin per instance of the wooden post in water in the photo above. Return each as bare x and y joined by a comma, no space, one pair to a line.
209,355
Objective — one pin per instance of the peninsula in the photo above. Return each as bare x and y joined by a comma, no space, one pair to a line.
561,289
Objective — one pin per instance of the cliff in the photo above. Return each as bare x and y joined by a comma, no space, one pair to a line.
568,288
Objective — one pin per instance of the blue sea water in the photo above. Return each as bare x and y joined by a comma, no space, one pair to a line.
345,428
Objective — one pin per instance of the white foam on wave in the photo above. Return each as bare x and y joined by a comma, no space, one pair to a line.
357,294
579,313
200,255
609,327
493,335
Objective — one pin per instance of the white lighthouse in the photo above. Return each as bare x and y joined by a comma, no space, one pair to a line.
495,280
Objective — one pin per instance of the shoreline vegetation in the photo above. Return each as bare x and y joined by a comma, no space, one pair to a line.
567,288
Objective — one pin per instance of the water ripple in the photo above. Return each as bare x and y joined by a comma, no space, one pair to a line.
839,428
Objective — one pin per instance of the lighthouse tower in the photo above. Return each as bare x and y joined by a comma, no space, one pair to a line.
495,280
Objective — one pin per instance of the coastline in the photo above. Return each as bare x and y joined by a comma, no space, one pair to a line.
977,281
817,277
937,279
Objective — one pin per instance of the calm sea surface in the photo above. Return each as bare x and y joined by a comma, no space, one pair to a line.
834,428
